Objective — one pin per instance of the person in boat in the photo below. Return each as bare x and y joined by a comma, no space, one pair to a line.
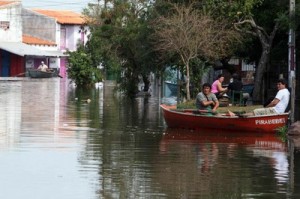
43,67
217,88
278,105
206,100
235,87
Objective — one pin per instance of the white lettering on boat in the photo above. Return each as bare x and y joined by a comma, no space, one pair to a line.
270,144
270,121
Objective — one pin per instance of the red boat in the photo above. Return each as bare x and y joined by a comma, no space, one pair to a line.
191,119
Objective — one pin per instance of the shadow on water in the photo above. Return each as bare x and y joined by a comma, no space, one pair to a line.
58,141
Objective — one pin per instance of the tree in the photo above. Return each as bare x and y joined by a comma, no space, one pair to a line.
270,14
120,39
262,20
190,34
81,70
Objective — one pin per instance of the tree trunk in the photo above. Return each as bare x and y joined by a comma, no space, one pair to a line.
188,94
259,72
266,43
146,83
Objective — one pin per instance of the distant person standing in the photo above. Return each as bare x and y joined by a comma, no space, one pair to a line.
43,67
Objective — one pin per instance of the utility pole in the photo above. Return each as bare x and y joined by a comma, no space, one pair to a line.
292,59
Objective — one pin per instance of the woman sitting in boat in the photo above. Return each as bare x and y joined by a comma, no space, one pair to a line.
206,100
217,88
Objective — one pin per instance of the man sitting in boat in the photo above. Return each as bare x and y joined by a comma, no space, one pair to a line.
279,103
206,100
43,67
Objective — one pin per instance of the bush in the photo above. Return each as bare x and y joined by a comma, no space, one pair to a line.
81,70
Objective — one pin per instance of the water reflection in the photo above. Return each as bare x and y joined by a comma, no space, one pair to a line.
10,107
209,163
56,144
40,139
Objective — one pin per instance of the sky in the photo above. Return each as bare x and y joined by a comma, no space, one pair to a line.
73,5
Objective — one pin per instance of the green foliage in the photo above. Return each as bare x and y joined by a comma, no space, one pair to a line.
198,69
282,132
230,9
122,37
120,41
81,70
270,12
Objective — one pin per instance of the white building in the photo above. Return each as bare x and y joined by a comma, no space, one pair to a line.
28,37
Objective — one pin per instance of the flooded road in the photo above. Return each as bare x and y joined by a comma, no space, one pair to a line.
55,143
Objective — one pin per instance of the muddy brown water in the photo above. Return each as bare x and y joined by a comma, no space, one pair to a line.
54,143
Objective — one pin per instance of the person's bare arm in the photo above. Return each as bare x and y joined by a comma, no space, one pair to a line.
207,103
216,105
220,88
273,103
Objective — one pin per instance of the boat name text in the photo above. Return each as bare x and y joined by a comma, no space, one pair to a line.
271,121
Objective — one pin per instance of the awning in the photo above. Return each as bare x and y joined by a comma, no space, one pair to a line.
22,49
56,53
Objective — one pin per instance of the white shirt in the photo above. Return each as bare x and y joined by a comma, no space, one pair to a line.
283,96
43,67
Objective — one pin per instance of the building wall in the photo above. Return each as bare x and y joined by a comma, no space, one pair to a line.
38,25
73,37
5,63
71,34
11,14
65,36
35,62
68,41
17,66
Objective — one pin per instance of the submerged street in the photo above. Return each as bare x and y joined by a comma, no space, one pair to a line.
57,141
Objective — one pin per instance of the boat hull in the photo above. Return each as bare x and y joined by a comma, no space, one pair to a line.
34,73
189,120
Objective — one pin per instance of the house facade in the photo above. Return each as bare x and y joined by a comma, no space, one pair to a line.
63,30
28,37
10,31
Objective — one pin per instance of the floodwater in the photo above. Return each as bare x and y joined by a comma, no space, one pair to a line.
55,144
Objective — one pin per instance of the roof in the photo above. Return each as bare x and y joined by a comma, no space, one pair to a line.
37,41
63,16
4,3
22,49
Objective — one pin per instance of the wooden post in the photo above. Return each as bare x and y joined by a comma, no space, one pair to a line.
292,59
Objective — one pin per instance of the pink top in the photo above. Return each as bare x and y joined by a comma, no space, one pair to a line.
214,86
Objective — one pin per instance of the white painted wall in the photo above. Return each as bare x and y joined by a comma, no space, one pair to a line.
73,35
12,14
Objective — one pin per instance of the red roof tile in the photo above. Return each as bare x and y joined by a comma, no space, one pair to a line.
33,40
63,16
3,3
